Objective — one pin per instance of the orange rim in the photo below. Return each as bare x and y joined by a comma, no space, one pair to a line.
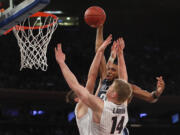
38,14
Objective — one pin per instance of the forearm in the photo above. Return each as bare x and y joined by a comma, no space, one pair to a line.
73,83
91,101
110,61
99,37
122,71
98,89
95,65
99,41
102,67
92,75
143,94
68,75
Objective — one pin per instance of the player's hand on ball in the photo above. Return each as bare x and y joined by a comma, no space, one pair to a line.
60,56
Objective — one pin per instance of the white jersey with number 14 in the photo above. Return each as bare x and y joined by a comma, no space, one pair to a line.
113,120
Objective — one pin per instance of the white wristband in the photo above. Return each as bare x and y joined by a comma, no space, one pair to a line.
111,59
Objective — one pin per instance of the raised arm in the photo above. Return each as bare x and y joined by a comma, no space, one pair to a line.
93,71
113,54
99,41
147,96
82,93
122,71
93,102
92,75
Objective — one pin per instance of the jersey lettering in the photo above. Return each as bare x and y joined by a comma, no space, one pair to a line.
103,96
104,88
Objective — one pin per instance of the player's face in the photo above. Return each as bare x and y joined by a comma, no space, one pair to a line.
112,72
110,92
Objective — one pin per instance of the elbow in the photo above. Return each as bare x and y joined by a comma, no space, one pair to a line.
84,98
151,100
92,76
82,93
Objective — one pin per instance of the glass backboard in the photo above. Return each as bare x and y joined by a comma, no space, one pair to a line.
15,11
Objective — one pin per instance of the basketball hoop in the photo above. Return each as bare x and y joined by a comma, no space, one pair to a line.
33,36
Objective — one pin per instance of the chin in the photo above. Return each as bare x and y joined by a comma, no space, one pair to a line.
109,78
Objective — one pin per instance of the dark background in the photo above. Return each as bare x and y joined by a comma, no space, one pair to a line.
151,33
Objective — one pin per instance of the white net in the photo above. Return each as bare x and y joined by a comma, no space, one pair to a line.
33,36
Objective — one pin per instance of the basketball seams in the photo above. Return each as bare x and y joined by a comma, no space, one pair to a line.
95,16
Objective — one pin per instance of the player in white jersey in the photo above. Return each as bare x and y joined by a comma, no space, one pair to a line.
82,112
113,120
84,123
82,119
114,117
117,95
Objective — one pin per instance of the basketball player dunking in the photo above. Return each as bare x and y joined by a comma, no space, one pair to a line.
109,72
104,113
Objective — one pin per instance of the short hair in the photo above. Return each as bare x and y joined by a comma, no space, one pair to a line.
123,89
70,96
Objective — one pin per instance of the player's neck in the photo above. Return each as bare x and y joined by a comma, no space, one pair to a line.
114,101
109,80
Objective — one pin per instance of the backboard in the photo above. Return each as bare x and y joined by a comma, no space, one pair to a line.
15,11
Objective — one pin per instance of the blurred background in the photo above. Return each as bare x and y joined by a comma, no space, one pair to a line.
32,102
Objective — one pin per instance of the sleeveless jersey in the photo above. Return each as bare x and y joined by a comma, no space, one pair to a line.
113,120
104,87
84,123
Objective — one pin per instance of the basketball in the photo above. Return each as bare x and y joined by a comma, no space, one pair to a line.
94,16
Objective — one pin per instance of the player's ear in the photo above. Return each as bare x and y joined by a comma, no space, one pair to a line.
76,99
114,94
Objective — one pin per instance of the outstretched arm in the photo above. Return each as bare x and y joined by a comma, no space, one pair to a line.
82,93
147,96
99,41
93,102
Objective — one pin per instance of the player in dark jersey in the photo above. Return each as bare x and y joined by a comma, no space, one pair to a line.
110,71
